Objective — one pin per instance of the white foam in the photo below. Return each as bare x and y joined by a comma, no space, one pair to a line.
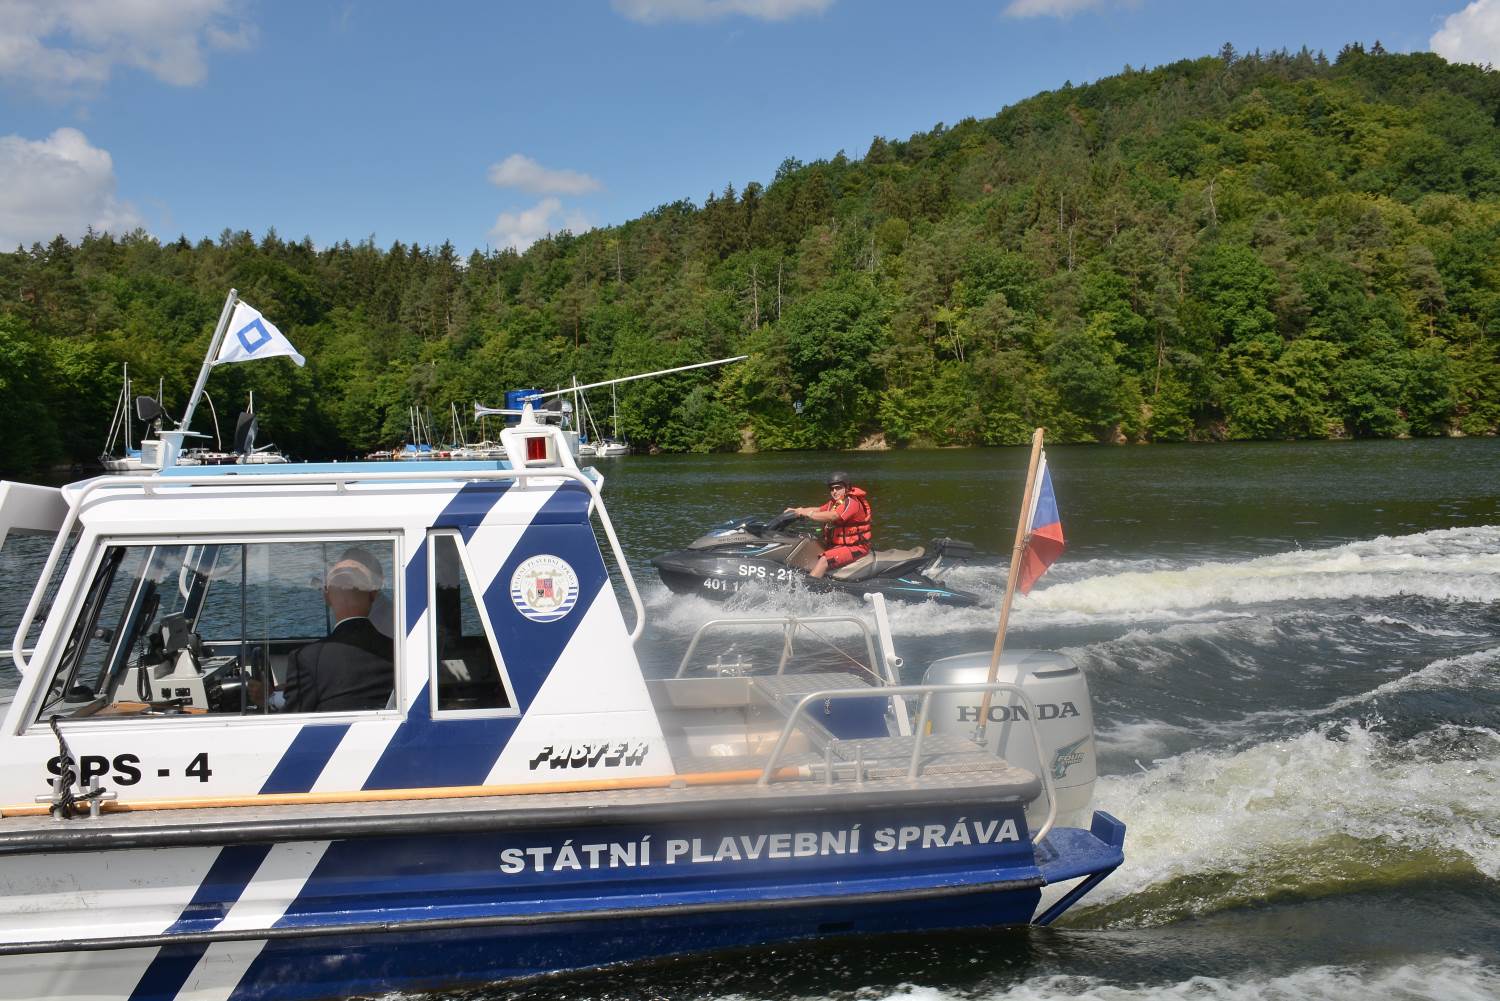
1440,978
1141,741
1391,620
1451,564
1157,649
1145,740
682,614
1208,812
1479,669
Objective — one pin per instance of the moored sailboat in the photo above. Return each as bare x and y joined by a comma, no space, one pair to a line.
130,459
248,453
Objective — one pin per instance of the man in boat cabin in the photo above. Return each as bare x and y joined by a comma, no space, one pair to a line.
354,668
845,517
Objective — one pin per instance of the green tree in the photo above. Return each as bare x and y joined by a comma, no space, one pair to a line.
25,401
831,339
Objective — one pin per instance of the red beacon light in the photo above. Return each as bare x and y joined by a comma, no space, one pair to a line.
530,443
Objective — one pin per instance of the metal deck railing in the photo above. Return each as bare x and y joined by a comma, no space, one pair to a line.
878,640
791,625
914,769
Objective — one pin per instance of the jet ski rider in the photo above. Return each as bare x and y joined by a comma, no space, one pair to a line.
846,524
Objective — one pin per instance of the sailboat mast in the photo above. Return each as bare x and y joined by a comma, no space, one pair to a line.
214,413
115,419
128,408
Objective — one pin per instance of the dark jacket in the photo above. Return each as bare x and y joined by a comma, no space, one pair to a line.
351,669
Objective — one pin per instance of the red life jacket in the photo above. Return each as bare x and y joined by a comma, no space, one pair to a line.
849,533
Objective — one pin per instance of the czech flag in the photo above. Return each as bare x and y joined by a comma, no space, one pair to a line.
1044,534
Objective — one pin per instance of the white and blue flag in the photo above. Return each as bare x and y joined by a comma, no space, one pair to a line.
252,336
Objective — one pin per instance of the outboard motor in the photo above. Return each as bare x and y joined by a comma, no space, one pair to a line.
1060,693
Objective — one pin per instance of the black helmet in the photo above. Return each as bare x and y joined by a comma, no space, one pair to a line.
838,479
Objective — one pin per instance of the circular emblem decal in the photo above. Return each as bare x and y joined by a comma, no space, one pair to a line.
544,588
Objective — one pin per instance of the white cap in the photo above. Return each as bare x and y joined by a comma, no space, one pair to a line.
351,575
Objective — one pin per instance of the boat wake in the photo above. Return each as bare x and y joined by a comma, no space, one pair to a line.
1460,564
1334,810
1438,979
1444,566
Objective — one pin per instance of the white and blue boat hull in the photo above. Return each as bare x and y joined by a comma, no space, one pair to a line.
428,900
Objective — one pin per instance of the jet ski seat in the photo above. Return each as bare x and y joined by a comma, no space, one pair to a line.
878,562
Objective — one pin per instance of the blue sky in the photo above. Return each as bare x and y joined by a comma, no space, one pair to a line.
492,123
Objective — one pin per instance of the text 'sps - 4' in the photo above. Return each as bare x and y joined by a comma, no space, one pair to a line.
215,782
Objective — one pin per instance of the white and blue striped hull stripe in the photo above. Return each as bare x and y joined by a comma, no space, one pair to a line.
456,752
304,760
223,884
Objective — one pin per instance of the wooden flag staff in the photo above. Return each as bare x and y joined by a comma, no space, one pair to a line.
1023,533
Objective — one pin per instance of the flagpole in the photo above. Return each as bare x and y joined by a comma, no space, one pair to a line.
208,359
1023,531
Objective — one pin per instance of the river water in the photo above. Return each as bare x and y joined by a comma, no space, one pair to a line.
1294,652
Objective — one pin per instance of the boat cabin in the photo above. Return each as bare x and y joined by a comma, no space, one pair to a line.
172,651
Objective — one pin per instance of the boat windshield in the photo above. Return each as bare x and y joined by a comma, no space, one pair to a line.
217,628
738,524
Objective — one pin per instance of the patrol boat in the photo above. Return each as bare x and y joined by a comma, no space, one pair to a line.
524,800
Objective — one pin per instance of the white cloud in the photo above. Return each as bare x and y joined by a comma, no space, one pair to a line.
1057,8
656,11
75,45
519,171
1470,36
521,229
60,184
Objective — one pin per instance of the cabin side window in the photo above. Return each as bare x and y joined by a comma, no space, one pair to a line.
230,628
468,672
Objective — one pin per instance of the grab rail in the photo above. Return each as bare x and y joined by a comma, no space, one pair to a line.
339,481
927,692
790,625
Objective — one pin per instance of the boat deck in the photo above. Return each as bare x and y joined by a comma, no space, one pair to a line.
721,732
953,771
877,757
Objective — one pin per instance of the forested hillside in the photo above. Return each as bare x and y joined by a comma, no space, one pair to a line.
1265,246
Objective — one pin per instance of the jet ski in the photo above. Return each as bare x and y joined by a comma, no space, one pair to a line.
749,551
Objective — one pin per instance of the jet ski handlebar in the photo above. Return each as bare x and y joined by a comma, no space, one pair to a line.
781,521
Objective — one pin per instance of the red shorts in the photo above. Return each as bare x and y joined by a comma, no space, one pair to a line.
838,556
